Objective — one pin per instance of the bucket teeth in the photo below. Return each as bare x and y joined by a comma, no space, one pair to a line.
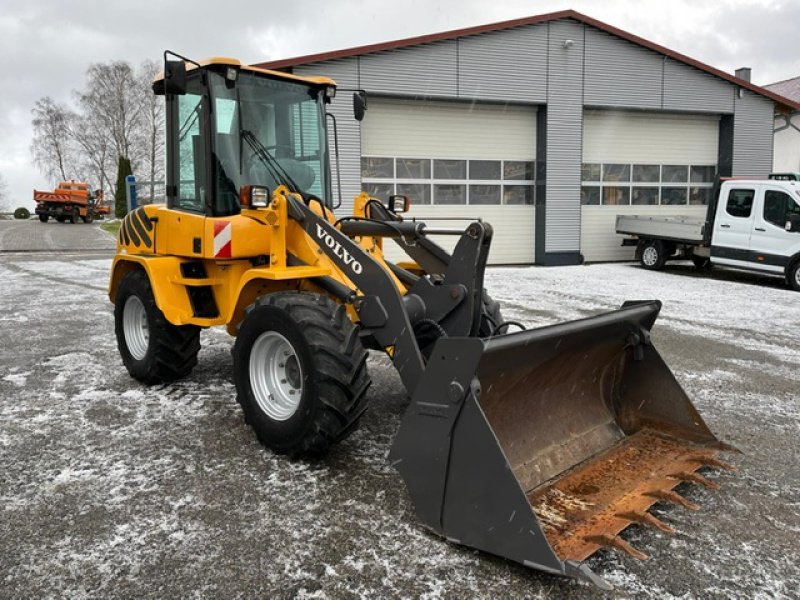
645,518
617,543
674,497
710,461
692,477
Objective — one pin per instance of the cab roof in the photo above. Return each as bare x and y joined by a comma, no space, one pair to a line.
234,62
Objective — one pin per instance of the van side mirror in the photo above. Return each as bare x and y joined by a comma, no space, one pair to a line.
359,104
793,223
175,77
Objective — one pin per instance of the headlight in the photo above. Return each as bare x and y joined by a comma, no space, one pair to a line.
254,196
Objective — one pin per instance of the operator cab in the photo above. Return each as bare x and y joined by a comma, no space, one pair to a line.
234,128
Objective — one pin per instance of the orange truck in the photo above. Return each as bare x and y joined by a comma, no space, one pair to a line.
71,201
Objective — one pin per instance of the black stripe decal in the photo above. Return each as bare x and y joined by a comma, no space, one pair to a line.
751,256
136,224
131,233
145,219
125,239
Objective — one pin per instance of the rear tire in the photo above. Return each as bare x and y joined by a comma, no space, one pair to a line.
793,276
652,255
152,349
701,262
300,372
44,218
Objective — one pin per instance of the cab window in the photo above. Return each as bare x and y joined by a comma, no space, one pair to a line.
189,158
740,203
778,207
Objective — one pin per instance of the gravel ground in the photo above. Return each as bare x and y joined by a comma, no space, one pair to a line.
112,489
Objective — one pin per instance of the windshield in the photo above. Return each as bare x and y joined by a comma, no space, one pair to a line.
266,132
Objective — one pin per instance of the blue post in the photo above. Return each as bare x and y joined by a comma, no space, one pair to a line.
130,192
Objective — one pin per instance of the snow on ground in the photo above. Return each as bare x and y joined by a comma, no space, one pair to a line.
110,488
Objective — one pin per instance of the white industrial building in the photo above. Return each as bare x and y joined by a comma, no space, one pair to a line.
786,148
547,127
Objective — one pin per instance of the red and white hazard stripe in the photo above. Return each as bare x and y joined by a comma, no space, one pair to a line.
222,239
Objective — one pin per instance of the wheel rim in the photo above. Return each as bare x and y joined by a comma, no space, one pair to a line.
649,256
797,278
275,375
135,328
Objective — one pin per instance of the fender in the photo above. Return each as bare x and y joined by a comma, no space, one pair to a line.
161,271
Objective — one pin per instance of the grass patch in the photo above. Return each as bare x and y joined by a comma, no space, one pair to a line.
111,227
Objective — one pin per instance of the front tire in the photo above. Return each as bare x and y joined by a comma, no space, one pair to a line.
793,276
491,318
152,349
653,255
300,372
44,218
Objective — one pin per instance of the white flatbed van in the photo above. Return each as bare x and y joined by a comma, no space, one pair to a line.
750,224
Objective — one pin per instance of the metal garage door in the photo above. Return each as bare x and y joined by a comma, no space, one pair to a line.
642,163
456,160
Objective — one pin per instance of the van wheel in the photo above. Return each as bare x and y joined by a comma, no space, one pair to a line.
793,276
701,262
300,372
652,255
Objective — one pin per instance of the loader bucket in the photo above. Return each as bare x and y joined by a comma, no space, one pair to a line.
542,446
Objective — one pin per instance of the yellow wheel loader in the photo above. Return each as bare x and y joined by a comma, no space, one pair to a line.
540,446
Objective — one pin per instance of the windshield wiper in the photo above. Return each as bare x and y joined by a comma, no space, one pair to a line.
273,165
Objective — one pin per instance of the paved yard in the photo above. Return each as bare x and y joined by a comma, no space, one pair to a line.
34,236
112,489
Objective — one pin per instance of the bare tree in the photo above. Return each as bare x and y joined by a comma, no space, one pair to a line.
96,151
51,149
152,125
118,116
114,99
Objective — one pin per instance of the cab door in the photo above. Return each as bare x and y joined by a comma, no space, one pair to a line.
770,244
733,226
187,180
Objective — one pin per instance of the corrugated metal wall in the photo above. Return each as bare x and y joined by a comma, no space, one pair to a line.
504,65
619,73
345,73
564,131
428,70
690,89
752,142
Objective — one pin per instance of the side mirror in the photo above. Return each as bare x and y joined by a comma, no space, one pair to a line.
359,104
793,223
175,77
399,204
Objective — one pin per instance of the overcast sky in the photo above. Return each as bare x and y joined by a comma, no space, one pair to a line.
48,44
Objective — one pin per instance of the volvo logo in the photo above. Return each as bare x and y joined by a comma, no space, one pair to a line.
338,251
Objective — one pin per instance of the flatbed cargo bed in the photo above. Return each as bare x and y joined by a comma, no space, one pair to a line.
678,228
